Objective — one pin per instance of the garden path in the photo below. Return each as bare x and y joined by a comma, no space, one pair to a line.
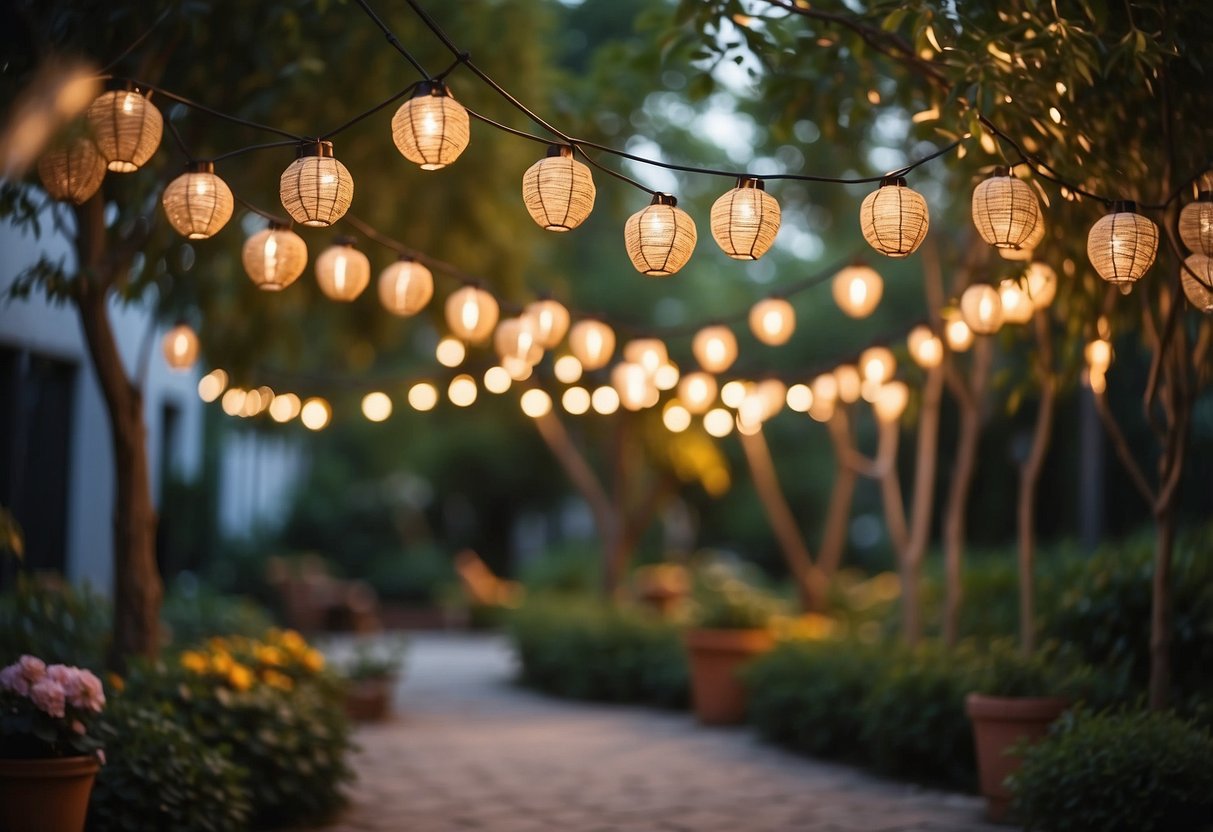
469,750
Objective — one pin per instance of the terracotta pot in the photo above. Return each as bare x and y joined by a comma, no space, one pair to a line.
999,723
716,656
370,700
47,795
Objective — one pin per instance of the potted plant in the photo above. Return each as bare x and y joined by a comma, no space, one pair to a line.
48,756
371,675
731,627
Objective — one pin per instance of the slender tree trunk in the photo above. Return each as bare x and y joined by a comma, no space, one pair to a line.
1160,611
890,486
920,509
842,495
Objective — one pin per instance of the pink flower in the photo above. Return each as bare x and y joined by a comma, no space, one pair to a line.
48,695
68,679
101,755
11,678
89,693
78,726
32,667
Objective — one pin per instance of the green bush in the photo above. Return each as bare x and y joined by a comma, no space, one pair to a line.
1140,771
157,776
417,574
56,622
599,652
723,600
564,570
193,612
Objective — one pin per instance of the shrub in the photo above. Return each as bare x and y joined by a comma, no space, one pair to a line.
1139,771
417,574
723,601
54,621
193,612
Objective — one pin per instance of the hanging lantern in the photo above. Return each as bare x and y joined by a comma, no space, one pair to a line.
1017,307
824,388
517,369
558,190
593,342
550,319
431,129
891,401
1040,284
634,386
72,170
127,128
567,369
857,290
697,391
316,189
981,308
957,332
877,364
198,203
667,375
715,348
274,257
745,220
1005,210
660,238
925,347
894,218
773,394
180,347
773,321
405,287
342,271
799,398
1122,245
1199,293
471,314
849,383
648,353
515,340
1029,246
1196,219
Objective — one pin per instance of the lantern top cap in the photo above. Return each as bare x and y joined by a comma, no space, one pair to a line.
200,166
127,85
664,199
555,150
1123,206
898,181
1002,170
751,182
434,88
405,258
323,149
278,225
345,240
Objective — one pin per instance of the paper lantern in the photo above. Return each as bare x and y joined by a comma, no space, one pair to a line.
431,129
1122,245
857,290
745,220
274,257
198,203
343,271
1040,284
891,401
593,342
981,307
660,238
471,314
648,353
925,347
126,127
405,287
1196,219
894,218
72,170
180,347
849,383
515,339
1026,250
773,321
634,386
1199,293
697,391
1017,307
877,364
558,191
316,189
551,321
957,333
1005,210
715,348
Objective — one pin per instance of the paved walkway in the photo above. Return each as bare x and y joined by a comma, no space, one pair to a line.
468,751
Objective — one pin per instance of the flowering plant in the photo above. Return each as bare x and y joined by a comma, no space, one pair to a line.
46,710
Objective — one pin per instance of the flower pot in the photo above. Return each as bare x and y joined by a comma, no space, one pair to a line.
46,795
716,655
370,700
999,723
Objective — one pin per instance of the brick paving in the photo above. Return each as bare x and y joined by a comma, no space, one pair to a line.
467,750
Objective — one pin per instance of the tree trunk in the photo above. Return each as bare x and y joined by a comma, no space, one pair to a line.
838,513
925,466
1160,611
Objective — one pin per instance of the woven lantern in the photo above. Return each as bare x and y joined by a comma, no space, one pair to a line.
72,170
745,220
894,218
431,129
471,314
634,386
342,270
715,348
981,308
1199,293
180,347
1029,246
405,287
274,257
316,189
891,401
925,347
660,238
198,203
1196,219
877,364
773,321
558,190
515,339
697,391
1017,307
550,319
1122,245
127,128
957,333
648,353
593,342
857,290
1040,283
1005,210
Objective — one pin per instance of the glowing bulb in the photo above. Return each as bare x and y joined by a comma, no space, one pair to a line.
536,403
981,308
799,398
773,321
697,391
211,385
423,396
715,348
849,383
450,352
1041,284
497,379
925,347
567,369
315,414
376,406
718,422
462,390
891,401
576,400
605,400
1017,307
285,407
1099,355
592,342
958,334
676,417
732,393
648,353
877,364
666,377
233,401
857,290
824,388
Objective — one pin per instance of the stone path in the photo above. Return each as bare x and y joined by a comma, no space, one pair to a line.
468,751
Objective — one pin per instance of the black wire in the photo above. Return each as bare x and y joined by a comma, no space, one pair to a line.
172,128
406,91
275,218
139,40
252,147
180,99
393,40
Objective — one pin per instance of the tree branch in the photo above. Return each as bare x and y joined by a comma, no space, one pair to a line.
1123,452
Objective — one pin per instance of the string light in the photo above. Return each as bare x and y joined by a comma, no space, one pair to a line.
849,383
198,203
450,352
518,369
274,257
515,341
232,401
718,422
605,400
981,308
745,220
773,393
1196,219
558,191
733,392
773,320
72,170
634,386
1122,245
894,218
550,321
891,401
316,189
252,404
877,364
1198,293
376,406
462,390
471,314
1005,210
315,414
957,332
567,369
1017,307
423,396
648,353
342,271
660,238
405,287
211,385
181,347
675,417
284,408
857,290
1098,354
576,400
925,347
697,391
536,403
497,380
431,129
824,388
799,398
822,410
1040,283
592,342
715,348
127,128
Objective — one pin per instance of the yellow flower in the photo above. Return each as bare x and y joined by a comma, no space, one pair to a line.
267,654
218,644
292,641
313,660
193,661
240,677
221,663
277,680
116,682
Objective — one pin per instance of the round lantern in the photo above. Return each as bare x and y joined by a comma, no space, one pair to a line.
405,287
1025,251
1017,307
849,383
1199,293
551,321
1196,219
877,364
72,170
957,333
343,271
715,348
981,307
648,353
198,203
1040,284
745,220
925,347
894,218
180,347
274,257
773,321
634,386
127,128
593,342
1005,210
857,290
1122,245
515,340
431,129
891,401
660,238
471,314
697,391
316,189
558,190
